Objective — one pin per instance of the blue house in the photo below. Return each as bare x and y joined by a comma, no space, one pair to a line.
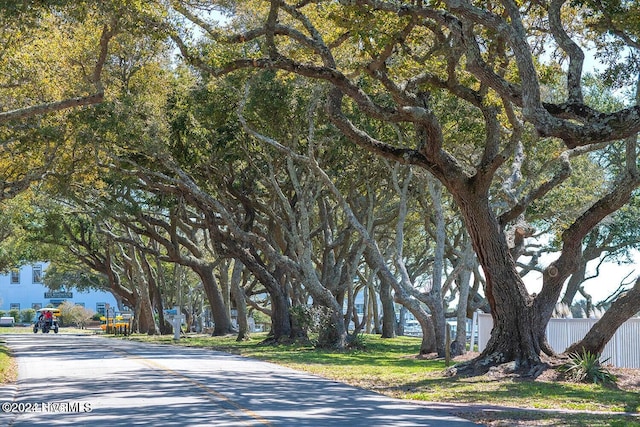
23,288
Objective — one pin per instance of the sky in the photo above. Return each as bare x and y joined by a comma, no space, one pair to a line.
601,287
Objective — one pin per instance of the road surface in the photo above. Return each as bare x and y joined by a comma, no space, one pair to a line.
89,380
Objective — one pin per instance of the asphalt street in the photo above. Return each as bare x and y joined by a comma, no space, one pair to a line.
94,381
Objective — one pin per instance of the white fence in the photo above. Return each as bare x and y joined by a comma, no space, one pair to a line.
623,350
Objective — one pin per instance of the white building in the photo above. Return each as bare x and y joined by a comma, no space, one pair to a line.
22,289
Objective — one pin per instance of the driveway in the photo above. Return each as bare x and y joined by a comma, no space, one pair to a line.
89,380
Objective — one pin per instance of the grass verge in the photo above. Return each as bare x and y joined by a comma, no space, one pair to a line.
8,368
390,366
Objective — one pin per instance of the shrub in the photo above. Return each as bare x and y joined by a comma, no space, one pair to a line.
15,314
310,318
72,314
357,342
586,367
27,315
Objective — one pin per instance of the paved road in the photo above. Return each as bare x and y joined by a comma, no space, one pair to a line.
89,380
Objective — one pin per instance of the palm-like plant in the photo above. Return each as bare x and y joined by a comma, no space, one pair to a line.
586,367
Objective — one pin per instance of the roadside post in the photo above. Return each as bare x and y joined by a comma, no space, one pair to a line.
176,318
128,317
106,310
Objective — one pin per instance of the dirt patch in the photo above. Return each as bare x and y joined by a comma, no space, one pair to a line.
627,379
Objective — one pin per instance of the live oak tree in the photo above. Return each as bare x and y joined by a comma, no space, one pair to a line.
181,239
416,283
277,220
261,214
379,209
391,61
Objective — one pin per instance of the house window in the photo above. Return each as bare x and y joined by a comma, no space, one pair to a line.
101,308
14,306
37,274
15,276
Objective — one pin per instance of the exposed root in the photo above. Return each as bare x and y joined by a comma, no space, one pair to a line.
475,367
537,370
271,340
495,366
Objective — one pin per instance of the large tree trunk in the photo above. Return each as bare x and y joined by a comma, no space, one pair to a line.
224,284
438,322
155,295
136,275
239,298
219,311
144,307
428,343
281,322
388,311
517,335
146,322
621,310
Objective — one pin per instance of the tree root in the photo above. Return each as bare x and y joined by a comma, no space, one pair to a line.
271,340
495,366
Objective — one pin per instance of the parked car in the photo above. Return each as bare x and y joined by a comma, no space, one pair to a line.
7,321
